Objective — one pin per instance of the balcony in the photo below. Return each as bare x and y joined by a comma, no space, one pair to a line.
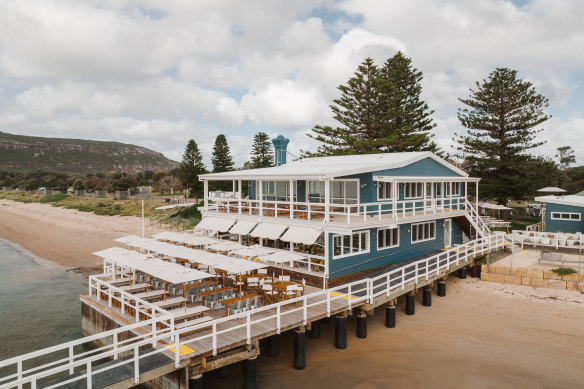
390,210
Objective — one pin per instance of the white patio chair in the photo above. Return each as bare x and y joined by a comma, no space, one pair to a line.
263,271
270,293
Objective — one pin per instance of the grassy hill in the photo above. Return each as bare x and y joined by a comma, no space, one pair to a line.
18,152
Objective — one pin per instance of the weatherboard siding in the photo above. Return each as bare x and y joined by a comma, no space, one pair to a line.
570,226
406,250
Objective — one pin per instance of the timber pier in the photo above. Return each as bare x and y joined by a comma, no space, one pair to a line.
145,347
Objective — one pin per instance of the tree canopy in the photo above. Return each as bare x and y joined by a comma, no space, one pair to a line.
262,151
502,115
221,159
191,167
379,110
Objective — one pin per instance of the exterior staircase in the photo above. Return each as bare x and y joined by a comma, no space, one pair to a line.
472,221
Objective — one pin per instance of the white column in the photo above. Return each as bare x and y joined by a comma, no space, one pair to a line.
327,200
260,190
394,193
477,196
206,194
291,190
239,194
424,196
450,185
326,254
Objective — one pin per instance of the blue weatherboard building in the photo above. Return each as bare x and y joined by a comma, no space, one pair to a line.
340,215
563,213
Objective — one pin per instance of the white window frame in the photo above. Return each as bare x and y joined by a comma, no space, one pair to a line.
424,239
381,230
351,253
419,188
559,216
385,185
321,198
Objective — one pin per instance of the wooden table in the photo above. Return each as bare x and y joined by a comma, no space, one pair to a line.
212,292
152,295
183,314
164,304
134,288
280,286
228,302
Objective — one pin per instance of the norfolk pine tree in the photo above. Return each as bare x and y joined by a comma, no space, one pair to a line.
222,161
191,167
380,110
262,151
502,116
407,123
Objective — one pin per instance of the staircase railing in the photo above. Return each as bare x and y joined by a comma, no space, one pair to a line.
475,220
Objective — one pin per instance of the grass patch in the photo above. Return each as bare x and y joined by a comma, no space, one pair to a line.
54,198
564,271
186,217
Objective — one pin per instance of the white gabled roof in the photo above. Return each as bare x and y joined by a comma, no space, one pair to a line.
572,200
323,168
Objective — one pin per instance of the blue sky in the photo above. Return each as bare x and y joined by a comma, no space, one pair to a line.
159,73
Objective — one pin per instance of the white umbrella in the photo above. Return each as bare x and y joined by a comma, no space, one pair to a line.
551,189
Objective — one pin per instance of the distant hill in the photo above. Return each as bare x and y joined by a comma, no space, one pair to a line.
18,152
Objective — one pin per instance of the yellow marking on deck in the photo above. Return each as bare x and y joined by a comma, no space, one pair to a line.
182,349
456,251
524,252
343,296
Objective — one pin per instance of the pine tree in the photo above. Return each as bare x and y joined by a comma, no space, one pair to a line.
502,117
565,158
407,123
262,151
221,158
359,112
380,110
191,167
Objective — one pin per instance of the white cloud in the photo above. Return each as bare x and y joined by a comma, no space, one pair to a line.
159,73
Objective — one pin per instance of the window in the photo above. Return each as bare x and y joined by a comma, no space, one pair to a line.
385,191
277,190
423,231
388,237
439,190
356,243
342,192
455,188
413,190
566,216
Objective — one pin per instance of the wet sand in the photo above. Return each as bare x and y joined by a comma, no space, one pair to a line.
481,335
65,236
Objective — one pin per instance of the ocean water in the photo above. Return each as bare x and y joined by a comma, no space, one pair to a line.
39,302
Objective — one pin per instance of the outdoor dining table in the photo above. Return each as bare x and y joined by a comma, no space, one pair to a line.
228,302
175,301
214,291
182,314
134,288
152,295
280,286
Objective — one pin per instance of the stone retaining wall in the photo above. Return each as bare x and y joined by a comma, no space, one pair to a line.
530,277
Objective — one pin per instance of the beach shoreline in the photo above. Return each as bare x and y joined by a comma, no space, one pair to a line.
65,236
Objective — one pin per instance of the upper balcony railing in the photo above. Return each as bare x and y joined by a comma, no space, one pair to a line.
339,213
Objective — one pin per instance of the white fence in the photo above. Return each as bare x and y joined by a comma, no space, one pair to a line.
347,212
220,335
548,239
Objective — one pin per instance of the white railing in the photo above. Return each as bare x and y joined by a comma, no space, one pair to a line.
534,227
356,213
475,219
221,335
548,239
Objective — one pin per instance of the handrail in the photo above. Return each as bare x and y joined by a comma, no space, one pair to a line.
476,220
351,294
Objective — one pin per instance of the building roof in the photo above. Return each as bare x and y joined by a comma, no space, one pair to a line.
572,200
324,168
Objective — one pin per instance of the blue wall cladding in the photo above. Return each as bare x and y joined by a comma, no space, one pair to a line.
405,250
423,168
570,226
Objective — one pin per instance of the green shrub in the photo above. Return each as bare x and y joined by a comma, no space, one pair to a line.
564,271
54,198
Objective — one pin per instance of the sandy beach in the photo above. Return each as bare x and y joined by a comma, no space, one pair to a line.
481,335
65,236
